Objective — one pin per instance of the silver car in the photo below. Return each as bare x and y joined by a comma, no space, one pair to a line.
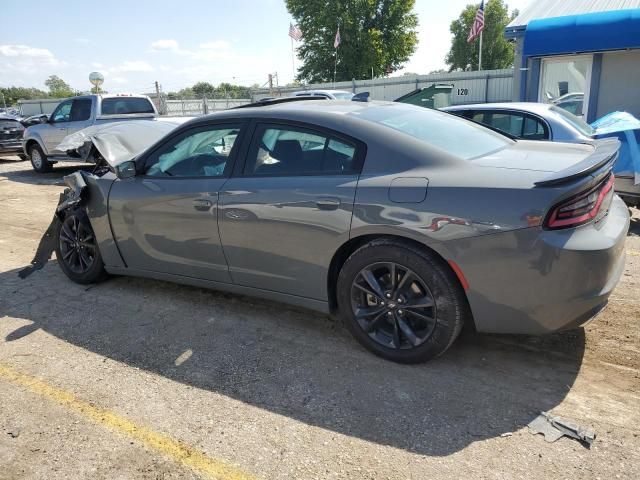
406,222
540,121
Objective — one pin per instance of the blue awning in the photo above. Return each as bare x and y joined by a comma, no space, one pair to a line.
589,32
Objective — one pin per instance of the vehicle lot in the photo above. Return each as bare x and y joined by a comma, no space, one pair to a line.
135,378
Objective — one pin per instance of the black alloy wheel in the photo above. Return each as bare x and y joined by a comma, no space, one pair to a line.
393,305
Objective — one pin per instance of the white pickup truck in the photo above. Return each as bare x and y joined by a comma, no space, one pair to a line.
40,141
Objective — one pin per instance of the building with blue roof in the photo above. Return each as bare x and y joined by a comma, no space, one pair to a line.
583,55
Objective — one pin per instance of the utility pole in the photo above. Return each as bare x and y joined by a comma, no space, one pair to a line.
270,84
158,99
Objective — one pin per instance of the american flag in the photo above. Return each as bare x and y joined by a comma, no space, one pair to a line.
295,32
336,42
478,24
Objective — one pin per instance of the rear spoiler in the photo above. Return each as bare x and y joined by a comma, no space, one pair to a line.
606,152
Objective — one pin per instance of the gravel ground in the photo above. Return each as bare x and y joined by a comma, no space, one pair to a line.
279,392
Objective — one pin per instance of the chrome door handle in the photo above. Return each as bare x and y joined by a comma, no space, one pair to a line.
328,203
200,204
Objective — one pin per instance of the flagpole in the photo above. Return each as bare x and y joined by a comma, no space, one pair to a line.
335,67
293,61
480,54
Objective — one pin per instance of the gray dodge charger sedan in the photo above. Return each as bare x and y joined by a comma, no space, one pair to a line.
406,222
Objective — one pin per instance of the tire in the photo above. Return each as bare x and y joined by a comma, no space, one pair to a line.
77,249
428,307
22,157
39,160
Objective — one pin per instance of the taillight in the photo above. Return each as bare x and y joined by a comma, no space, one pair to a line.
580,209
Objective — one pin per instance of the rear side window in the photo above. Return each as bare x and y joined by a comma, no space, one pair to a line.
126,105
80,110
449,133
291,151
520,125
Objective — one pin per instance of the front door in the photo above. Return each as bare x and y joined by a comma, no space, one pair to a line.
56,129
166,219
289,209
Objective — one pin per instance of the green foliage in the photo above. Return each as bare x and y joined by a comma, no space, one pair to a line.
378,34
205,89
497,52
58,88
13,94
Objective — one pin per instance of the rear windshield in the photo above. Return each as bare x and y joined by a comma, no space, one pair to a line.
447,132
126,105
343,95
575,121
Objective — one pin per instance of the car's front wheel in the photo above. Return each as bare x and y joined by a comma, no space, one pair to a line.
77,249
39,160
400,302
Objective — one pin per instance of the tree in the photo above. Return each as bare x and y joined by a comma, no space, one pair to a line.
203,89
376,34
13,94
58,88
497,52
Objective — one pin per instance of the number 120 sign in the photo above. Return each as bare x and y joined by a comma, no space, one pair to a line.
463,91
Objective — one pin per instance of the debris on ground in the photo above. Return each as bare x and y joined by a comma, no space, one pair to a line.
554,428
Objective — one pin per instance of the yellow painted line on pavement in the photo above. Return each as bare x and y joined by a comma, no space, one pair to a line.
177,451
635,253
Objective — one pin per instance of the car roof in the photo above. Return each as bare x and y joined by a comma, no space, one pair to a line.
533,107
320,91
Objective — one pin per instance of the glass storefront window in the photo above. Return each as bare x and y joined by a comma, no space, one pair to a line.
565,82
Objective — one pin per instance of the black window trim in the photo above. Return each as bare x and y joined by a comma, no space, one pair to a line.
141,161
257,124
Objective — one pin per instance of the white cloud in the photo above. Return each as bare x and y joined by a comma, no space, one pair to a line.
97,65
216,45
133,66
169,44
23,52
119,80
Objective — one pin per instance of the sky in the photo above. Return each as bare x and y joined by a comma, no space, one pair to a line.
135,43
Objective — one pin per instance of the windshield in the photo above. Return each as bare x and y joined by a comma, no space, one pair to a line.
343,95
576,122
447,132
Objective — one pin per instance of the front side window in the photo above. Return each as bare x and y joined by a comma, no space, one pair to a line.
202,152
62,112
299,151
126,106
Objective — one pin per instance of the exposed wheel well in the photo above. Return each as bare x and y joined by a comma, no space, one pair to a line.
353,244
31,143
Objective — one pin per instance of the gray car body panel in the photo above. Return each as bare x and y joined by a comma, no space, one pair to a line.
561,131
270,237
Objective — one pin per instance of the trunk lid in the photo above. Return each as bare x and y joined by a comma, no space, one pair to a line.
557,163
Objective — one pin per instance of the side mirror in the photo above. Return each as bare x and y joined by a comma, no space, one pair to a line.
44,119
360,97
126,170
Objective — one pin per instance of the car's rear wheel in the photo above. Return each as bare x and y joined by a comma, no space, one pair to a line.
39,160
400,302
77,249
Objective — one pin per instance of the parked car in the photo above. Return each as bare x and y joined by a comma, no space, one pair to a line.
74,114
540,121
334,95
374,211
11,131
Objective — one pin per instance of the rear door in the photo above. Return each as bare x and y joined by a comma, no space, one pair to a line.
166,219
288,208
80,115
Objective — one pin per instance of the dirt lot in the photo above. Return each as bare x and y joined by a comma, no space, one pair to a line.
133,379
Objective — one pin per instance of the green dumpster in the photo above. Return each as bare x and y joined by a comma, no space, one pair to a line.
437,95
